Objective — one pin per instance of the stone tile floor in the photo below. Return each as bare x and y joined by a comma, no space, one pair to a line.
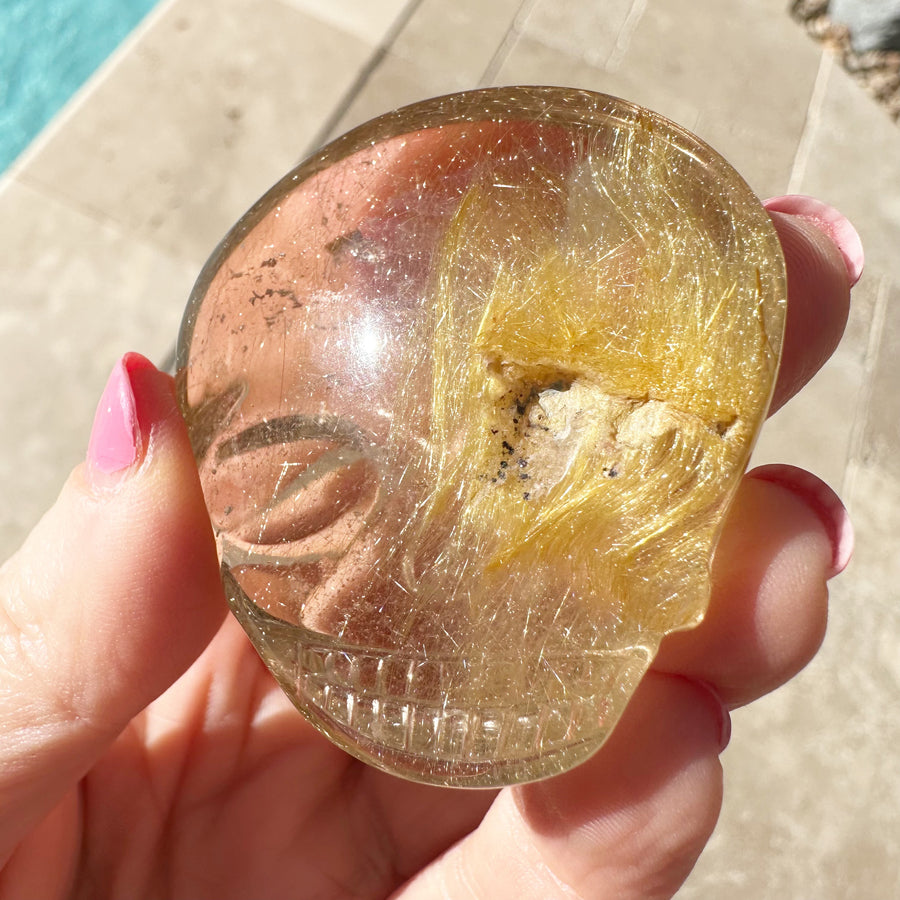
106,220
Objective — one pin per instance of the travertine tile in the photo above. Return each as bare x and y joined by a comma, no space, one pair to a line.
815,430
533,62
395,82
443,48
880,443
457,40
369,20
752,103
78,292
587,32
205,113
686,60
851,159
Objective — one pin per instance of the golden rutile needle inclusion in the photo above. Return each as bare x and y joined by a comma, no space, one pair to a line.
470,392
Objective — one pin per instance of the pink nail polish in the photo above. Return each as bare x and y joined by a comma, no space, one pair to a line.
823,501
116,441
829,221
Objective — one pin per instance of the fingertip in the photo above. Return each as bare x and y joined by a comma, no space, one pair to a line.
830,222
136,402
116,443
643,808
769,606
823,501
135,551
818,281
134,559
111,598
155,550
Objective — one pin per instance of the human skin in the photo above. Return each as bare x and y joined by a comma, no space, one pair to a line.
145,750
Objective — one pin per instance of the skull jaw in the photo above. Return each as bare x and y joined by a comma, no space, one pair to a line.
382,707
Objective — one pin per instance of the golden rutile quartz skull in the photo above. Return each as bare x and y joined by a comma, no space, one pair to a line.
470,392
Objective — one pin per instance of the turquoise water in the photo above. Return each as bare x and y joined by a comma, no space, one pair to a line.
48,48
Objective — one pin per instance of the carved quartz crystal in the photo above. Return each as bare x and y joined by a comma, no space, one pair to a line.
470,391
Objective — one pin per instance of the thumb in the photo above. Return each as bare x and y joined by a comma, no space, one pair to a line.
111,598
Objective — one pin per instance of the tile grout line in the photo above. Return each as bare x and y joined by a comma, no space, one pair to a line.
626,32
810,126
365,73
507,42
858,428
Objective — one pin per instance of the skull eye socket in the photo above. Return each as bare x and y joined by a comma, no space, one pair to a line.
291,490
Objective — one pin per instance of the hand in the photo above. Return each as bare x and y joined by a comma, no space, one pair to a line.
146,752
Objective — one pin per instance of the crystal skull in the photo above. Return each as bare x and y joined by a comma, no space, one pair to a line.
470,392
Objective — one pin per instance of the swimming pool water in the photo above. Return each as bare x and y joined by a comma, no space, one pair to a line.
48,48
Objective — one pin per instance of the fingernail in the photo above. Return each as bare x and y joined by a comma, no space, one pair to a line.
116,441
823,501
829,221
722,715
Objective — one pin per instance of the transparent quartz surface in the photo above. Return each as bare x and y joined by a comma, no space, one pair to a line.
470,392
